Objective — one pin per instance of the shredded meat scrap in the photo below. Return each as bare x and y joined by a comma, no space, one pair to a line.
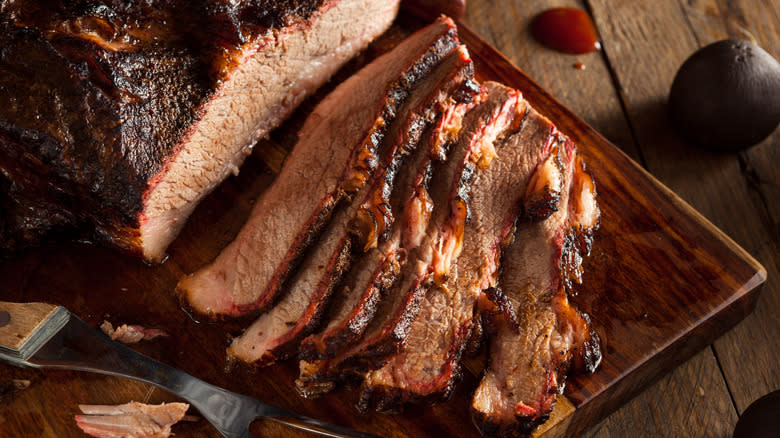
130,420
130,334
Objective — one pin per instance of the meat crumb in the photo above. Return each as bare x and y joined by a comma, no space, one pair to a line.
130,334
130,420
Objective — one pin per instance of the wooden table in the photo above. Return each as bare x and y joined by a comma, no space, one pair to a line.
622,92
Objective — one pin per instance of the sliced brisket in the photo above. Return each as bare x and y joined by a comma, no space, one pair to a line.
428,366
275,335
429,262
337,153
386,212
117,118
535,333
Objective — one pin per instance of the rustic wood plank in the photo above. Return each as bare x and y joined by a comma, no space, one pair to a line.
687,389
760,231
589,93
713,183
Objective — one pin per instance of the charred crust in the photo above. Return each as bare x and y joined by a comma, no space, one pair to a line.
339,265
541,205
374,353
356,325
504,305
590,355
476,337
469,90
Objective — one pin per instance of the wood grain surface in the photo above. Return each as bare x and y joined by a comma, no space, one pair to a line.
621,92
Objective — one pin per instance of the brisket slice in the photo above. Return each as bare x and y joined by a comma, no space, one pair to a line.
536,335
386,213
386,333
117,118
276,334
336,154
429,365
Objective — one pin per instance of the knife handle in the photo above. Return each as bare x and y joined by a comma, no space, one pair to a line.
25,326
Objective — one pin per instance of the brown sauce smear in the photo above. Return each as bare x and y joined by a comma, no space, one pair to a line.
567,30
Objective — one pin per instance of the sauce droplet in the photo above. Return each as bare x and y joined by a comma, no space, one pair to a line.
567,30
579,65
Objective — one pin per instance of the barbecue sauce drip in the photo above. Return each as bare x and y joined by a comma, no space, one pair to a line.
567,30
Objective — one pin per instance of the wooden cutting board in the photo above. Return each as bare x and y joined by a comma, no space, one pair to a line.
661,283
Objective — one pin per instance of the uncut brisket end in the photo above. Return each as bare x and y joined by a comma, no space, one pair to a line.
385,211
336,154
276,334
386,333
535,334
117,118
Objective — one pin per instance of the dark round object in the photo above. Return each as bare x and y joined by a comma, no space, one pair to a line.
761,419
726,95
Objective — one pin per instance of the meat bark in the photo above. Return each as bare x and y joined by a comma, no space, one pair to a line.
275,335
430,262
536,335
336,155
117,118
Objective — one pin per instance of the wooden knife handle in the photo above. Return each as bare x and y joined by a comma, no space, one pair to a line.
21,323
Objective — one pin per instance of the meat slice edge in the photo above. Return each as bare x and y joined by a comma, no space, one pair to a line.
248,274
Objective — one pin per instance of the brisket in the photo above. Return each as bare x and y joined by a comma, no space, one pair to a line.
337,153
535,334
385,213
428,366
117,118
430,262
275,335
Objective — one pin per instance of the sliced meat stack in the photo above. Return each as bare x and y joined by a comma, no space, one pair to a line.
417,210
339,148
428,366
429,262
117,118
277,332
